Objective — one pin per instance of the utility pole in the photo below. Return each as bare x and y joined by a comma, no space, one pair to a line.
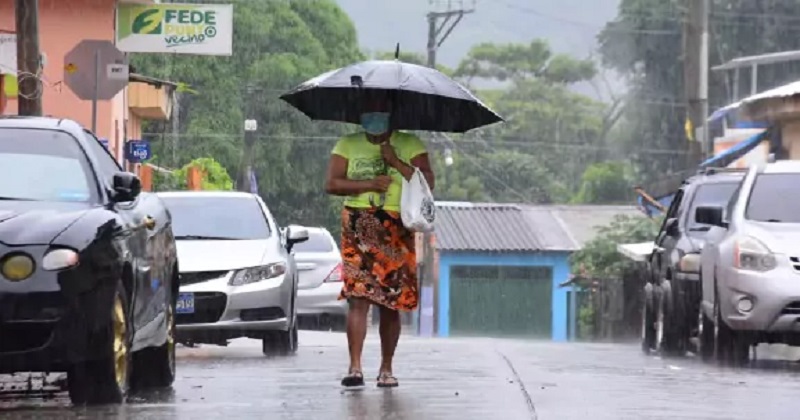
437,34
696,71
28,57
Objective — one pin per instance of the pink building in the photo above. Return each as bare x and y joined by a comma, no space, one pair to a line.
62,25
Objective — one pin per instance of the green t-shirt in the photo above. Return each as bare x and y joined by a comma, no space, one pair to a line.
364,162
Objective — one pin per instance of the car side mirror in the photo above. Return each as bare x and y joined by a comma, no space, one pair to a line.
295,235
671,227
709,215
127,187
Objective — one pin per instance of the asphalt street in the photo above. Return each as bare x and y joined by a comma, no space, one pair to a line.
446,379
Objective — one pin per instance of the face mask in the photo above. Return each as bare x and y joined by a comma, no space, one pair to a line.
375,123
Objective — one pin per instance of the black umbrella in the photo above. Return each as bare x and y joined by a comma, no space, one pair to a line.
422,97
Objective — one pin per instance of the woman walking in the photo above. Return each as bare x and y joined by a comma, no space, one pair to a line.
378,252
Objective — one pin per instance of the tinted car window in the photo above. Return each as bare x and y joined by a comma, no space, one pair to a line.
712,194
45,165
108,165
217,218
774,198
317,242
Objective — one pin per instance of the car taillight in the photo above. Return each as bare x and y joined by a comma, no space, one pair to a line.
335,275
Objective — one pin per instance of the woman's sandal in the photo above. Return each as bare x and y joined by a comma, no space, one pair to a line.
353,379
387,380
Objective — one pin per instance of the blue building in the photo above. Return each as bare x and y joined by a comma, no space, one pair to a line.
501,267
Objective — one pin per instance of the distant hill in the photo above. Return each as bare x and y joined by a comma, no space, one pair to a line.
571,26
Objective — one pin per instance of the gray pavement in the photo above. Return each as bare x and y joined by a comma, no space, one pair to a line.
450,379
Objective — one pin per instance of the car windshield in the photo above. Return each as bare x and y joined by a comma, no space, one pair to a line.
317,242
774,199
47,165
217,218
712,194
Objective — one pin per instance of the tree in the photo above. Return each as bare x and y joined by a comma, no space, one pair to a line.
277,45
599,257
554,131
606,182
644,43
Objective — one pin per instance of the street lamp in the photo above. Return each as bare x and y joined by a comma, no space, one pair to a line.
448,157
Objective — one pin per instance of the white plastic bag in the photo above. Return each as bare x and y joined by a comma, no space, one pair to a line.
417,208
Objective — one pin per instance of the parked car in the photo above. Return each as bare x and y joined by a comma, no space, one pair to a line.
672,294
88,266
319,264
238,275
751,265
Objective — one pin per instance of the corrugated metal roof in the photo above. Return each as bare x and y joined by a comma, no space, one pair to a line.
584,221
511,227
483,227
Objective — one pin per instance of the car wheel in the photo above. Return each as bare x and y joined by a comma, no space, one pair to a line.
280,343
648,320
155,367
106,380
730,346
667,331
705,336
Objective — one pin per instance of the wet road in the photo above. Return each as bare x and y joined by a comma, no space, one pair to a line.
450,379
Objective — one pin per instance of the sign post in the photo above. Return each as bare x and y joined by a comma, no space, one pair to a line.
84,75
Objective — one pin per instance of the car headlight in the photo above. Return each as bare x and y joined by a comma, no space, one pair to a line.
689,263
17,266
59,259
254,274
751,254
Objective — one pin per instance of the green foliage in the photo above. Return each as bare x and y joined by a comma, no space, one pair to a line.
214,175
599,258
644,43
606,182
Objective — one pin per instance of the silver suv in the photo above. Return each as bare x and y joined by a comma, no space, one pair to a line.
750,265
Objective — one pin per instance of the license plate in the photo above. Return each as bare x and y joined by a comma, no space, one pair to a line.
185,303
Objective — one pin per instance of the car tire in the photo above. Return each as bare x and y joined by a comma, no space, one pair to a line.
730,346
106,380
667,331
648,320
155,367
280,343
705,336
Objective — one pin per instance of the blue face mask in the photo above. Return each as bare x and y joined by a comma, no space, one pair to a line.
375,123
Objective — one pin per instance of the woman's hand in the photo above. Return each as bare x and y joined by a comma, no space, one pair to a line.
389,156
381,183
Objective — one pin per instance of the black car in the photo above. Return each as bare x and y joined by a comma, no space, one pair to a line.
672,292
88,266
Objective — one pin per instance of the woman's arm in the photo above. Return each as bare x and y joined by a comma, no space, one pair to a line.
422,162
336,182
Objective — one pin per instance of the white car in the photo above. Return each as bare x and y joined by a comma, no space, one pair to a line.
237,274
319,264
751,265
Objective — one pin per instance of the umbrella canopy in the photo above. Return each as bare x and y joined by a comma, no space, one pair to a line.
422,98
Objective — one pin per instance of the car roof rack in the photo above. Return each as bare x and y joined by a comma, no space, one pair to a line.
714,170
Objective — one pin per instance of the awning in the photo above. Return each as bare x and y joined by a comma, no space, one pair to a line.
636,252
727,157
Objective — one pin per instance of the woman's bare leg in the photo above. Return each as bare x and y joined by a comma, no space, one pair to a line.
357,330
390,334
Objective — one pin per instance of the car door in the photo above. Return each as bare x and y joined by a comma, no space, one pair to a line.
135,235
665,243
710,253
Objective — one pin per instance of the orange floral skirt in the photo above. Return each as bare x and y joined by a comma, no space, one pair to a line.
378,258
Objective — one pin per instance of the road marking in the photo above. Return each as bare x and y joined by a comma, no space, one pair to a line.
525,393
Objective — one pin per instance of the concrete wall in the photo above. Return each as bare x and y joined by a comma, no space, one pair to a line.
557,261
